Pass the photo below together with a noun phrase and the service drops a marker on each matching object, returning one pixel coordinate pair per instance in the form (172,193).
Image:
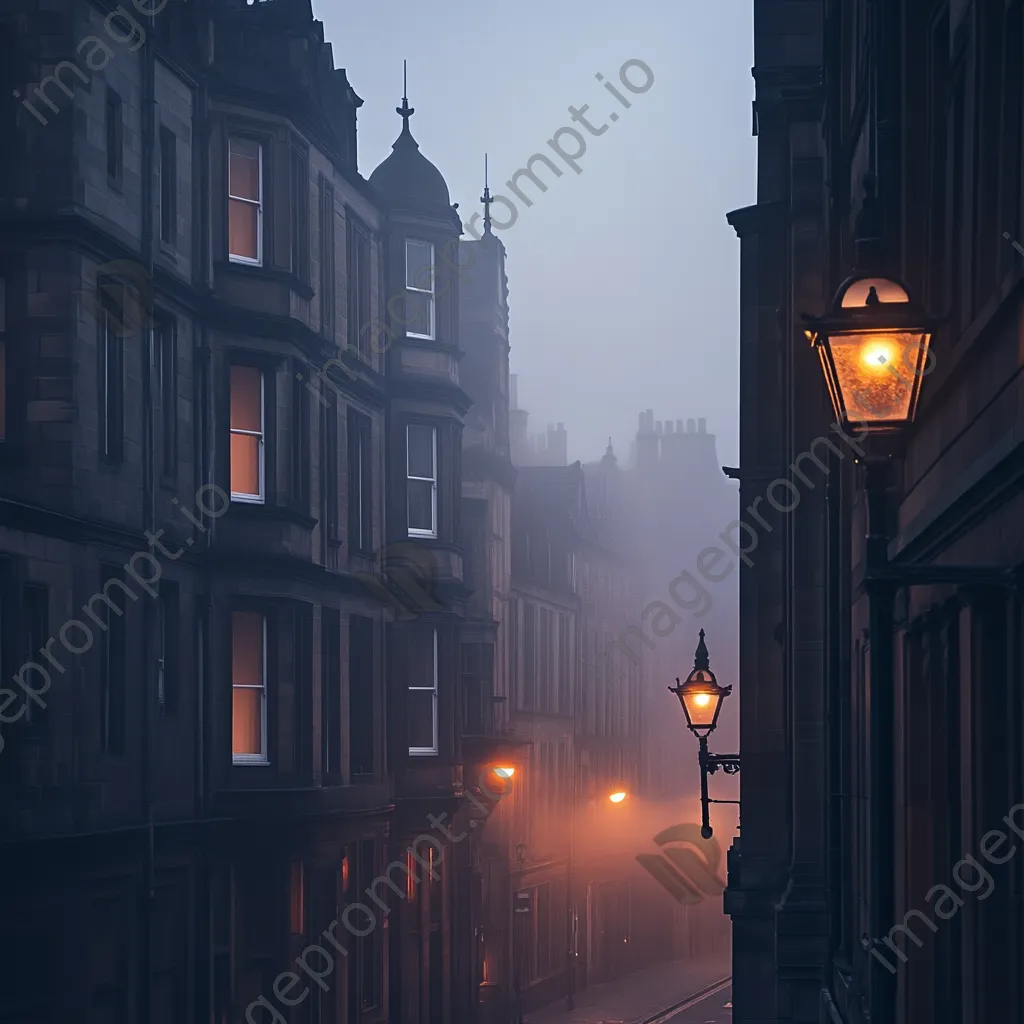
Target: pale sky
(623,279)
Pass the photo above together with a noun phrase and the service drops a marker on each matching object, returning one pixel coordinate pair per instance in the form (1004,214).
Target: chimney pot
(690,425)
(702,425)
(679,426)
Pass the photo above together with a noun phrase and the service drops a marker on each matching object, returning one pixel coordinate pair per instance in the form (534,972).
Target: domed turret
(407,178)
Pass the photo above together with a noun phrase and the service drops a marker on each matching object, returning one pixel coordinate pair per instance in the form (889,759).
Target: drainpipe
(148,112)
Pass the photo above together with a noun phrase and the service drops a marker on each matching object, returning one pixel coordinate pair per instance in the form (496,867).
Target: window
(247,457)
(422,660)
(419,289)
(360,490)
(248,688)
(360,315)
(168,186)
(35,601)
(113,668)
(167,678)
(115,137)
(331,701)
(297,898)
(245,201)
(300,443)
(361,688)
(111,350)
(300,214)
(330,469)
(3,359)
(421,470)
(167,368)
(327,281)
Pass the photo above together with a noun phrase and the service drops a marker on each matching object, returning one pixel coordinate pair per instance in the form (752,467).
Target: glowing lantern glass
(700,695)
(873,345)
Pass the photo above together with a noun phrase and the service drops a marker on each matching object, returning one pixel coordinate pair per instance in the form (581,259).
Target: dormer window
(419,289)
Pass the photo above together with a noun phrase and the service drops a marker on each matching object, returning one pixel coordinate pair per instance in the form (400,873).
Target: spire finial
(700,656)
(405,111)
(486,200)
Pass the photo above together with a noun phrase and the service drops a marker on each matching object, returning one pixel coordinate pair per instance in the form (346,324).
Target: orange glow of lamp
(873,345)
(700,695)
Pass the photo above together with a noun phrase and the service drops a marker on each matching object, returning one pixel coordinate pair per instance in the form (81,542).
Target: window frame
(113,129)
(111,403)
(360,481)
(168,186)
(166,331)
(242,497)
(431,292)
(258,203)
(432,533)
(433,750)
(263,758)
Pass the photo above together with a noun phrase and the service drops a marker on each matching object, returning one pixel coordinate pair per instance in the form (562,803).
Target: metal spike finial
(700,656)
(486,199)
(405,111)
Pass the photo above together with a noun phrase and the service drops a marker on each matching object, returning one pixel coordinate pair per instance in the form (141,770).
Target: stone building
(230,554)
(880,721)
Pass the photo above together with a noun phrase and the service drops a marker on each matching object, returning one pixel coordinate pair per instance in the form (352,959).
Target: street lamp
(874,347)
(701,700)
(617,796)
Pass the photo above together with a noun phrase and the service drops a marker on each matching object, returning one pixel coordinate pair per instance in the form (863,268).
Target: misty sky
(624,279)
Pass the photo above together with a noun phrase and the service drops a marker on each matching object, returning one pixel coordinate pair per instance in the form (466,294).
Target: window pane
(419,265)
(421,505)
(247,648)
(244,169)
(421,451)
(421,718)
(246,721)
(420,646)
(245,464)
(419,314)
(246,404)
(243,229)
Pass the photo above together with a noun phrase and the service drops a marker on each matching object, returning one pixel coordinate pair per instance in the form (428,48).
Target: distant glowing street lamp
(701,700)
(617,796)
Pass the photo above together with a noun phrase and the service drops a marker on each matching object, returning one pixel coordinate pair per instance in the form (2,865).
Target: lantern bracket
(709,764)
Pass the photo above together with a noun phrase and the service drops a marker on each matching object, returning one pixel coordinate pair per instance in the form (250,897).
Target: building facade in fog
(862,804)
(232,405)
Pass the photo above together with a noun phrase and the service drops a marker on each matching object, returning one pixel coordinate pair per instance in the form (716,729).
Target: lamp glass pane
(878,374)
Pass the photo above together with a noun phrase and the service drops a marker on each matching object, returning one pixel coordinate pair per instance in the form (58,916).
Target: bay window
(247,434)
(422,655)
(245,201)
(248,688)
(421,479)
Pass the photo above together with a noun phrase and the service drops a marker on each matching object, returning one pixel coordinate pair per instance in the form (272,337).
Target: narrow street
(683,992)
(713,1008)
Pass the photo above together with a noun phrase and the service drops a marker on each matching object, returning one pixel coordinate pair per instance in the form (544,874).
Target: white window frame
(431,751)
(422,291)
(251,499)
(258,203)
(413,531)
(263,757)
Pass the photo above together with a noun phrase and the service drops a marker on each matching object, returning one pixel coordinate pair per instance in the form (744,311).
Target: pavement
(662,993)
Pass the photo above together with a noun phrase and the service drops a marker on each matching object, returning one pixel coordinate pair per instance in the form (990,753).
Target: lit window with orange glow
(247,434)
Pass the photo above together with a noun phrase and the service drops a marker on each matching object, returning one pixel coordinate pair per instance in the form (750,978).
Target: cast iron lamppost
(874,347)
(701,699)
